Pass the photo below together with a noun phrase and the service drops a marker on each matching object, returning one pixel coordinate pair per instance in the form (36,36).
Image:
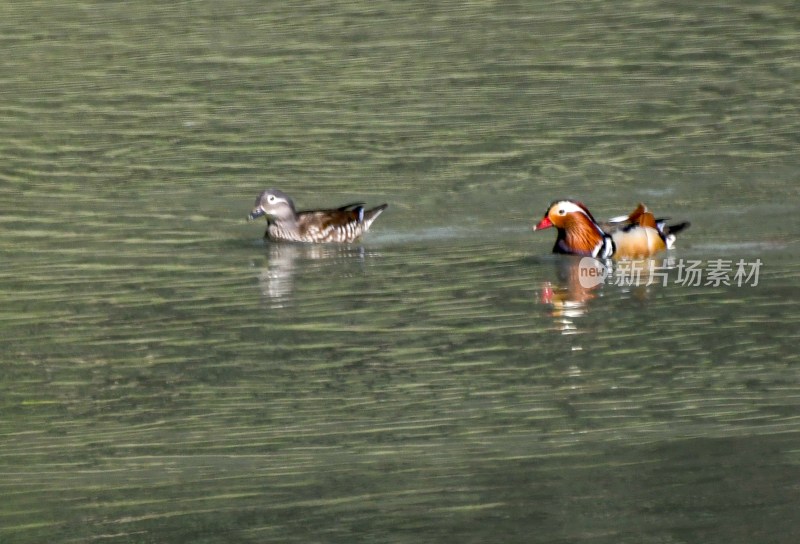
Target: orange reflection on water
(580,280)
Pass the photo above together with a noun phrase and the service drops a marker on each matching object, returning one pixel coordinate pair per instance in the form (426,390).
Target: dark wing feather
(352,205)
(323,218)
(341,217)
(675,228)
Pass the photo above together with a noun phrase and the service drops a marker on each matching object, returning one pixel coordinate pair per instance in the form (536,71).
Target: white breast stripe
(604,249)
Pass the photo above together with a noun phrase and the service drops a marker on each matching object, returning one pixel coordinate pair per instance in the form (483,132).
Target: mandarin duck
(634,236)
(286,224)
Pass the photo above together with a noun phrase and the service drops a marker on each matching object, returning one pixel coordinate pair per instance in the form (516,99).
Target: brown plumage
(636,235)
(286,224)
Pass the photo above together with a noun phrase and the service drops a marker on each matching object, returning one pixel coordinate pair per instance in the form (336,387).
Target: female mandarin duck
(286,224)
(634,236)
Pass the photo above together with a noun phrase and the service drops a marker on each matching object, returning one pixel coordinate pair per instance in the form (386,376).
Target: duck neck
(286,220)
(582,237)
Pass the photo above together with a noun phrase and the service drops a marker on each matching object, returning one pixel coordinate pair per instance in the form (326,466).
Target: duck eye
(561,211)
(271,199)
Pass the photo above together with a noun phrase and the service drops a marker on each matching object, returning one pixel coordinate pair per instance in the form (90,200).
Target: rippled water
(168,377)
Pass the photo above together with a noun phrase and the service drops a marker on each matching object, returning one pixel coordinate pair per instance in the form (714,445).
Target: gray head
(274,204)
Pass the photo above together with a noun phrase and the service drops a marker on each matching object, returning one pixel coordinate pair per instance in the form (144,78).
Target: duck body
(634,236)
(285,224)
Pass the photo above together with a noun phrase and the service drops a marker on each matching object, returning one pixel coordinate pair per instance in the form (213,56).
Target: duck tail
(673,229)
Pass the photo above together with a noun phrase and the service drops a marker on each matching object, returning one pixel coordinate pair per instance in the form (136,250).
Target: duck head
(578,232)
(274,204)
(566,214)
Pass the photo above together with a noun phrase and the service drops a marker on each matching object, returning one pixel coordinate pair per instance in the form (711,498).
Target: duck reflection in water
(568,295)
(580,280)
(286,262)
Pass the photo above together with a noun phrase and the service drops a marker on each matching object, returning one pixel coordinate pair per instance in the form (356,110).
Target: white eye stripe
(568,207)
(272,199)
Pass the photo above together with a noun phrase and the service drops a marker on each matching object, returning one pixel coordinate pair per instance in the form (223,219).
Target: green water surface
(167,377)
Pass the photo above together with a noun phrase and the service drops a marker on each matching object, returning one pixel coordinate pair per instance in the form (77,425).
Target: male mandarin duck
(633,236)
(286,224)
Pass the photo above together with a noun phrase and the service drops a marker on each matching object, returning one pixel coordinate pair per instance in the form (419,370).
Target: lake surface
(167,377)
